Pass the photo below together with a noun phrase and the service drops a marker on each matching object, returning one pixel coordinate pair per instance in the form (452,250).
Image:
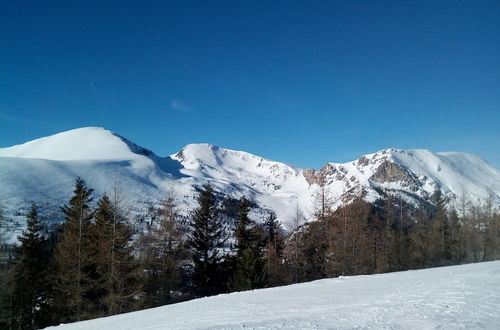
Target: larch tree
(115,276)
(164,255)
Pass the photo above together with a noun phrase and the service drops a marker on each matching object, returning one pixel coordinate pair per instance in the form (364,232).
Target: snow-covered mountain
(44,171)
(456,297)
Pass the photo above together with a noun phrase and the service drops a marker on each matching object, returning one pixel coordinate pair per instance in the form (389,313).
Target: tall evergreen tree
(249,269)
(274,252)
(31,289)
(206,238)
(72,262)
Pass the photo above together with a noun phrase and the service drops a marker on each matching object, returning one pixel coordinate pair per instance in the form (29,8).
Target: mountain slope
(44,170)
(464,297)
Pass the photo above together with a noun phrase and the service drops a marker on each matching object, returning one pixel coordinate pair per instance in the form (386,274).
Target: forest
(94,264)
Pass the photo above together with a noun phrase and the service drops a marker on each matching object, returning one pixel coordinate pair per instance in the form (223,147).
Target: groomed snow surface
(457,297)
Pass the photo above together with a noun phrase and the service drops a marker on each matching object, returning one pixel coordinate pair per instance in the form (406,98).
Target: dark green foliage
(314,251)
(31,291)
(245,237)
(94,272)
(7,316)
(205,240)
(72,260)
(273,255)
(249,270)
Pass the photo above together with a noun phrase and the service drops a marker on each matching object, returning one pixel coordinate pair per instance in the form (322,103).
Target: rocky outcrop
(388,171)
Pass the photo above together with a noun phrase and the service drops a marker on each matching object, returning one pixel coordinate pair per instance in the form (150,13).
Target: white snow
(82,143)
(457,297)
(45,169)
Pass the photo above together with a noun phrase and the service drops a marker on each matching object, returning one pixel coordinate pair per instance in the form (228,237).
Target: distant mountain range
(44,171)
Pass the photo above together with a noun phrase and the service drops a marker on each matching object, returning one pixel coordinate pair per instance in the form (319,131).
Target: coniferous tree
(456,240)
(489,232)
(420,242)
(314,251)
(114,277)
(249,265)
(293,251)
(205,240)
(274,252)
(440,234)
(5,279)
(163,255)
(31,290)
(72,262)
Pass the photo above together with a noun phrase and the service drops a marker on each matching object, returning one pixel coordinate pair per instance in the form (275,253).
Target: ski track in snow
(455,297)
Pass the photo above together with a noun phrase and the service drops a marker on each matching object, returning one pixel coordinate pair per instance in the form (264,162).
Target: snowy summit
(103,158)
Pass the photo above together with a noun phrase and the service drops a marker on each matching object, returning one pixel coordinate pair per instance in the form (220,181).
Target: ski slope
(457,297)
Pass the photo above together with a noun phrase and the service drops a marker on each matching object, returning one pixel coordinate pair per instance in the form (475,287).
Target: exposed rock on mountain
(44,170)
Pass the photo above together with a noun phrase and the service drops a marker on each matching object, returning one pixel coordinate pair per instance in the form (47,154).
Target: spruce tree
(31,289)
(205,240)
(244,236)
(274,252)
(72,263)
(249,269)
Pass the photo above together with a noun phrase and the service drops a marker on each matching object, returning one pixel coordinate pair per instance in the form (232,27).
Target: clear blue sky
(303,82)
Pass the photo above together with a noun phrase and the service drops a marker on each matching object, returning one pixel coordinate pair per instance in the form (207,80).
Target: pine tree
(206,238)
(249,269)
(72,263)
(31,290)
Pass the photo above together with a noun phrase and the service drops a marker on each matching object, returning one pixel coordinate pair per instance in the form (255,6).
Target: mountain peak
(78,144)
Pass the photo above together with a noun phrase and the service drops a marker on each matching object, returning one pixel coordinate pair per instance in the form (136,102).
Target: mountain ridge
(101,157)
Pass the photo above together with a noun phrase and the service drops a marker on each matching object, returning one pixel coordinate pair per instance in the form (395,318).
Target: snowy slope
(44,170)
(457,297)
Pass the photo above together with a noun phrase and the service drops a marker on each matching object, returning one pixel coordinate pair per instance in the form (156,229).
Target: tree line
(94,265)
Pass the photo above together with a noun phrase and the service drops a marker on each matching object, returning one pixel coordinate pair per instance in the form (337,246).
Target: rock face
(393,172)
(44,170)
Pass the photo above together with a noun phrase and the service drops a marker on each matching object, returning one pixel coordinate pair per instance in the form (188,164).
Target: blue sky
(303,82)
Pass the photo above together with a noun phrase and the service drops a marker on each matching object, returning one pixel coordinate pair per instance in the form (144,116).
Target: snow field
(456,297)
